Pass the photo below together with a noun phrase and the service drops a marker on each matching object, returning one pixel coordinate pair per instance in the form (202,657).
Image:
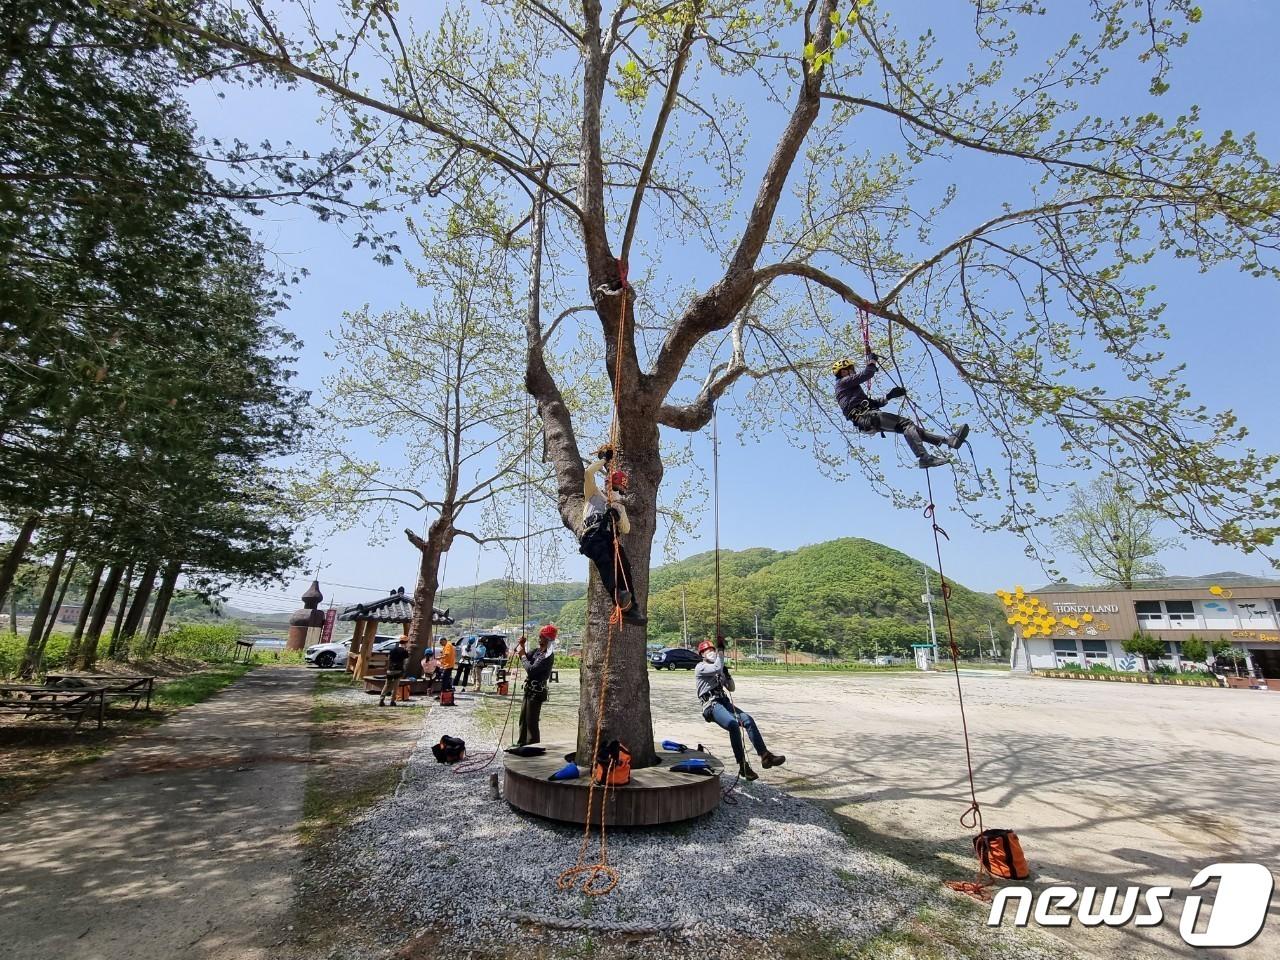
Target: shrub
(13,646)
(1101,668)
(199,641)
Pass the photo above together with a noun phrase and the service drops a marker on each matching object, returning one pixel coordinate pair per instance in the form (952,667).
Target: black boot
(958,436)
(768,760)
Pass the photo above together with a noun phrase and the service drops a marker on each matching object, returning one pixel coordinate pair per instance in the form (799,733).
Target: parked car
(335,654)
(327,655)
(674,657)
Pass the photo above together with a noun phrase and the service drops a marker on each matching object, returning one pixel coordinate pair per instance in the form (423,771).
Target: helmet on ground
(618,480)
(549,632)
(706,645)
(844,363)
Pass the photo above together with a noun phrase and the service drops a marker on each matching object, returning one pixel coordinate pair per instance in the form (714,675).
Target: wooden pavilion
(396,608)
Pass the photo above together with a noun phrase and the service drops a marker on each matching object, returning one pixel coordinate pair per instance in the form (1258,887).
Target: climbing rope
(512,665)
(971,819)
(597,879)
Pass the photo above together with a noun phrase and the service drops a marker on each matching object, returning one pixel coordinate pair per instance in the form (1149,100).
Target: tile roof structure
(395,608)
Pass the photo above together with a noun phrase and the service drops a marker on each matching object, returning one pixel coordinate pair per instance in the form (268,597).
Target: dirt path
(177,844)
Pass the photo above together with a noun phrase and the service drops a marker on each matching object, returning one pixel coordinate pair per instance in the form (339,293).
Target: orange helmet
(706,645)
(618,480)
(549,632)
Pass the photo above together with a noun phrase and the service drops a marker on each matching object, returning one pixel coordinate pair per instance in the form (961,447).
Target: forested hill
(849,596)
(500,600)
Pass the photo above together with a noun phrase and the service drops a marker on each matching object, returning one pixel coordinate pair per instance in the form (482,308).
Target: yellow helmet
(841,364)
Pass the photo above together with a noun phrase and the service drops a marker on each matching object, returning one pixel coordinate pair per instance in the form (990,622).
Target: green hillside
(850,597)
(495,600)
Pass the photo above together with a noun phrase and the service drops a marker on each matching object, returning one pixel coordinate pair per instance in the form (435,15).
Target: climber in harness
(865,413)
(537,671)
(714,686)
(604,517)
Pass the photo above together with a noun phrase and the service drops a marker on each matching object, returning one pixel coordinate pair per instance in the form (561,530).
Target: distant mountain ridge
(850,596)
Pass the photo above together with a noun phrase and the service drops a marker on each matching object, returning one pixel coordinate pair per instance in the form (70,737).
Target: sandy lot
(1105,783)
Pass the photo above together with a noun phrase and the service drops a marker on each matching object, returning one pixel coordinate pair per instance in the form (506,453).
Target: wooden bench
(30,699)
(118,687)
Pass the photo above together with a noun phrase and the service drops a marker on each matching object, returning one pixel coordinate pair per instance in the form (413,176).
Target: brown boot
(746,773)
(768,760)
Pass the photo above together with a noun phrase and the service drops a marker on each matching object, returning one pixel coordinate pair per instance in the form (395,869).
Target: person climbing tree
(714,685)
(537,671)
(865,413)
(604,519)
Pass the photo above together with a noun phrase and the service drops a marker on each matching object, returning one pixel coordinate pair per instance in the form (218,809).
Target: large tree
(1113,535)
(429,392)
(770,167)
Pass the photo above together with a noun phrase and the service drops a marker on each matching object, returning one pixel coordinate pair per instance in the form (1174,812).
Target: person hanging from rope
(865,413)
(537,672)
(714,686)
(604,519)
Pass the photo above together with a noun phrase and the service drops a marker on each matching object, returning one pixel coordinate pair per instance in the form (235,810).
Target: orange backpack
(613,766)
(1000,854)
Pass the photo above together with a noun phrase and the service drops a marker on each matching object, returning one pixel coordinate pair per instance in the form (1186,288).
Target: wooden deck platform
(655,795)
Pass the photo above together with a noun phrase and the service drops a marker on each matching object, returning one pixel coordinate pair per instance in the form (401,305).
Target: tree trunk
(91,591)
(168,580)
(31,656)
(53,617)
(626,715)
(117,632)
(98,620)
(138,608)
(439,539)
(9,569)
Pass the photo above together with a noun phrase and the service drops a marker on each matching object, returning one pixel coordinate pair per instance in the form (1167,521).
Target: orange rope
(583,876)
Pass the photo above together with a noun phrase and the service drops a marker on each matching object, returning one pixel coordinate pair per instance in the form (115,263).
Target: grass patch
(331,802)
(195,687)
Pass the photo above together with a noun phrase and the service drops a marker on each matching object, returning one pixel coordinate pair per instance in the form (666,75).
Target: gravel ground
(767,866)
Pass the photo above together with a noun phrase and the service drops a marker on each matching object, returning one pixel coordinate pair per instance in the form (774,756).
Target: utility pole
(758,650)
(991,634)
(684,619)
(927,600)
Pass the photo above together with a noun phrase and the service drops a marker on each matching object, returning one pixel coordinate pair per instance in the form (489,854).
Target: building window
(1148,611)
(1064,652)
(1180,611)
(1095,651)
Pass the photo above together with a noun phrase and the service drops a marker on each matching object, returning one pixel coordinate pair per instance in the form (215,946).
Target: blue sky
(771,494)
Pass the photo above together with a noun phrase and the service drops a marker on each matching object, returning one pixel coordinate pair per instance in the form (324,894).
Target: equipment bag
(446,698)
(450,750)
(1000,854)
(617,775)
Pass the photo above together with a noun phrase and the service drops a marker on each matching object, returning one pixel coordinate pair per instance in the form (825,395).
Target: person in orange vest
(448,659)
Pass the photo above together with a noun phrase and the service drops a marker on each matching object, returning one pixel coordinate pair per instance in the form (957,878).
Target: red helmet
(618,480)
(549,632)
(706,645)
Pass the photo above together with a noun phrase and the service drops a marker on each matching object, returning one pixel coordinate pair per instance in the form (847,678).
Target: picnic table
(118,686)
(30,699)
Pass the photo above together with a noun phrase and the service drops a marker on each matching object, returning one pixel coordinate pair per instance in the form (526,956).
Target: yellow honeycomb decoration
(1030,613)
